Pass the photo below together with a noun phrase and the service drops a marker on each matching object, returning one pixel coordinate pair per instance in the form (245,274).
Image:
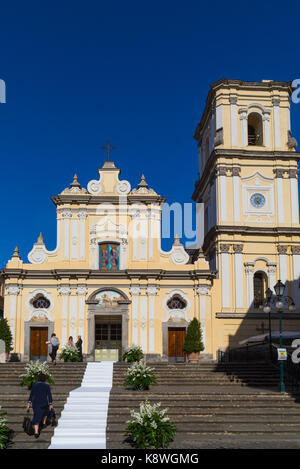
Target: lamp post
(279,291)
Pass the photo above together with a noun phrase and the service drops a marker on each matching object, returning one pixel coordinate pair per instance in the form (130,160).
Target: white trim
(219,117)
(222,199)
(236,198)
(283,267)
(143,323)
(276,126)
(294,201)
(280,206)
(233,124)
(239,280)
(225,279)
(296,277)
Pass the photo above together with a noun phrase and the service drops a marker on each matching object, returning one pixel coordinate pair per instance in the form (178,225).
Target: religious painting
(109,256)
(109,299)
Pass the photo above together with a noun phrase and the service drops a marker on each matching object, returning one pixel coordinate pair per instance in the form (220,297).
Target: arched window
(176,302)
(109,257)
(41,302)
(260,286)
(255,129)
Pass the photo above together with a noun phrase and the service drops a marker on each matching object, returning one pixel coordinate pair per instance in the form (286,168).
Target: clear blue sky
(134,72)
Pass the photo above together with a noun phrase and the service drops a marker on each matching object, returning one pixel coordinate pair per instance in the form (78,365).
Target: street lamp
(279,292)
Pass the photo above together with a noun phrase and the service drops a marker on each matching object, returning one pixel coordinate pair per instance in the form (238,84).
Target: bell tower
(248,189)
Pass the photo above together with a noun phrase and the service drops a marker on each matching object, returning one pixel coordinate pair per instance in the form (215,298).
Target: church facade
(109,281)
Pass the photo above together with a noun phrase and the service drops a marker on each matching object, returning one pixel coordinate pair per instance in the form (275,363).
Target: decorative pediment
(109,183)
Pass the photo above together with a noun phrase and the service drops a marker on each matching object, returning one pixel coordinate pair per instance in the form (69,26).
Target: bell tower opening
(255,129)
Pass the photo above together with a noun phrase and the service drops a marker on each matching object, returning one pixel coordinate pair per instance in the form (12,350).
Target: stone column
(293,174)
(233,120)
(135,292)
(272,274)
(244,129)
(225,275)
(124,307)
(82,215)
(279,183)
(81,291)
(13,292)
(152,292)
(236,192)
(266,121)
(66,216)
(282,251)
(296,274)
(239,275)
(276,114)
(65,292)
(249,269)
(222,173)
(202,292)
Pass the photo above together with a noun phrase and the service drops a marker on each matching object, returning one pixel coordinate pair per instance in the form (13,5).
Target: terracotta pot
(193,357)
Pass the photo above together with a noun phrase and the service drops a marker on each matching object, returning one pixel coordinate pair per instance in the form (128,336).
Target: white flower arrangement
(33,369)
(70,353)
(133,353)
(4,431)
(140,376)
(149,428)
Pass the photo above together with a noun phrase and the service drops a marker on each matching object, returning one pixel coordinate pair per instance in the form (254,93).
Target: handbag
(51,418)
(27,425)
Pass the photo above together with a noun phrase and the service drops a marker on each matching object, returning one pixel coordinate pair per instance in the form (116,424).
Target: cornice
(129,274)
(77,199)
(247,230)
(256,315)
(200,185)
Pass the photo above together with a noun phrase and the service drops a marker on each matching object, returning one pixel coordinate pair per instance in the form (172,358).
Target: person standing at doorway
(54,347)
(41,401)
(70,341)
(79,346)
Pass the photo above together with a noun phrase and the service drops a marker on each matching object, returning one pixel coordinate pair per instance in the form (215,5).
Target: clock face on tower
(257,200)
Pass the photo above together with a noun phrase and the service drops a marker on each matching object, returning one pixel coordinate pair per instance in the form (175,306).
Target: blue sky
(137,73)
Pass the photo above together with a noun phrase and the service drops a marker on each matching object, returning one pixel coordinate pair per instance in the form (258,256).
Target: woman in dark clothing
(41,400)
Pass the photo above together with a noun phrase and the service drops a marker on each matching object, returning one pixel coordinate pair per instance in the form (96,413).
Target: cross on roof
(108,147)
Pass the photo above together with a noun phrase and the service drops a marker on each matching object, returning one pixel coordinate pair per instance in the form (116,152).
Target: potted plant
(4,430)
(33,369)
(6,335)
(133,354)
(70,353)
(149,428)
(139,377)
(193,344)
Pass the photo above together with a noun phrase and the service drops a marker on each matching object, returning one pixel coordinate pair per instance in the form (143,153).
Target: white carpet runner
(82,424)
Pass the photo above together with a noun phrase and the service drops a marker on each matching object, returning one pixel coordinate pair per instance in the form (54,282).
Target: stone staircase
(13,399)
(213,406)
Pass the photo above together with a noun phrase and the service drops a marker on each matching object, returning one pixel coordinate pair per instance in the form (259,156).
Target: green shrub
(70,354)
(139,377)
(133,354)
(32,371)
(193,339)
(6,335)
(149,428)
(4,431)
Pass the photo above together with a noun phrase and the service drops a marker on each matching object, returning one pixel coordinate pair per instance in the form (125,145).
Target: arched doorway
(108,316)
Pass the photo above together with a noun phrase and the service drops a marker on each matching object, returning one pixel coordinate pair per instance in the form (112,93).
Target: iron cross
(108,147)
